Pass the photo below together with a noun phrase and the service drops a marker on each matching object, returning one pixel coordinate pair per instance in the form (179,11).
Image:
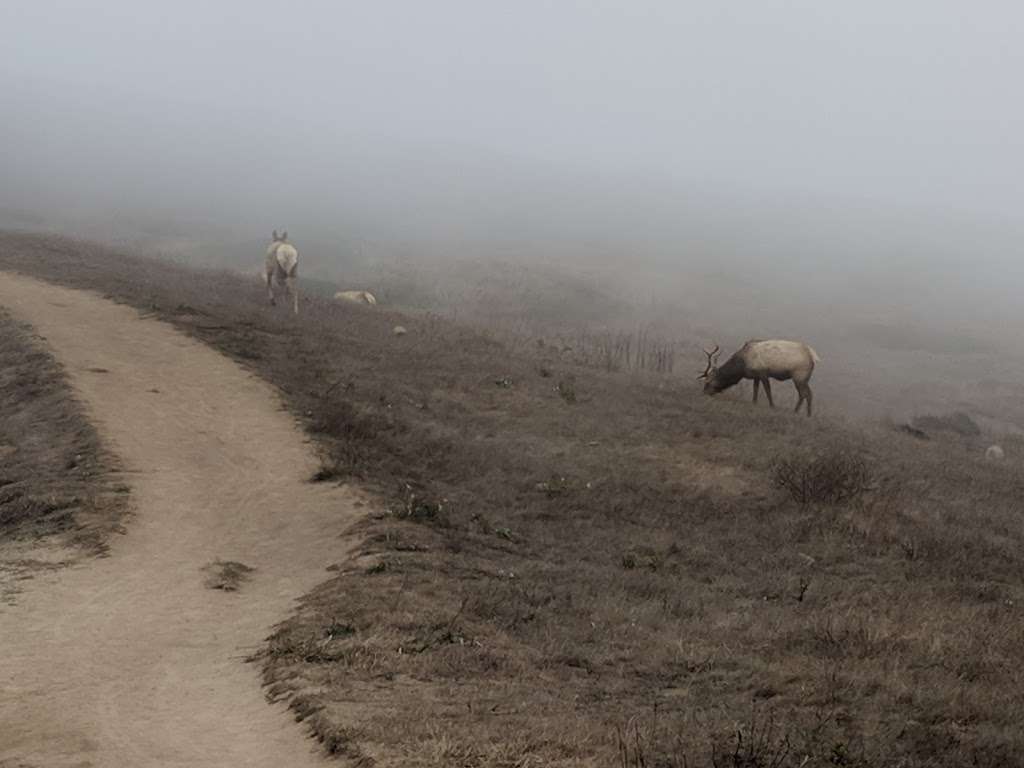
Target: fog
(786,164)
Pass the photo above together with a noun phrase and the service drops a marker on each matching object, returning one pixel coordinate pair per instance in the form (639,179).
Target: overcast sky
(442,110)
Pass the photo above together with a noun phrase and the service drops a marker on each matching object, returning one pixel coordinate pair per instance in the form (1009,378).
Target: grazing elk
(282,265)
(762,361)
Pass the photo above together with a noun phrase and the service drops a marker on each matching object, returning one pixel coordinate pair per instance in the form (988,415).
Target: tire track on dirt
(128,660)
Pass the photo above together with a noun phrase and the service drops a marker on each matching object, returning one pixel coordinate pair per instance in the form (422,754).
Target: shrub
(227,575)
(340,419)
(566,388)
(351,432)
(835,477)
(421,509)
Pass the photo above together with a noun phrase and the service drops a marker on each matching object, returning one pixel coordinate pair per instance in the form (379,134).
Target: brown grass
(831,476)
(226,575)
(55,477)
(610,578)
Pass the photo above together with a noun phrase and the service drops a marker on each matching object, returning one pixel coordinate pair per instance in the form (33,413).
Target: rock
(958,422)
(399,330)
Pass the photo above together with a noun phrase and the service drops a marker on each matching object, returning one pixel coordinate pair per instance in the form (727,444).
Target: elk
(995,453)
(762,361)
(282,265)
(359,297)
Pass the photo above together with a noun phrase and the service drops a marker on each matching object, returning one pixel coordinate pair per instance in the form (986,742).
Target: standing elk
(762,361)
(282,265)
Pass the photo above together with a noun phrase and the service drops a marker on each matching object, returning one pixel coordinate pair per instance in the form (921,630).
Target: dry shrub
(755,746)
(417,507)
(566,389)
(340,419)
(638,351)
(55,476)
(227,575)
(350,432)
(837,476)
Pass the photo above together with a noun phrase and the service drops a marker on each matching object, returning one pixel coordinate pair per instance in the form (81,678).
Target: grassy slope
(56,480)
(549,573)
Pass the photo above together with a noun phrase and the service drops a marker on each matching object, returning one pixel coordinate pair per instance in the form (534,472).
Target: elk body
(282,266)
(763,361)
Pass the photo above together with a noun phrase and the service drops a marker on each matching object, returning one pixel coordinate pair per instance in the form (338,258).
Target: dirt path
(130,660)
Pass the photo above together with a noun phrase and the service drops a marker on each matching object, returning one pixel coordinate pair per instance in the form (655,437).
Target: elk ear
(284,235)
(275,234)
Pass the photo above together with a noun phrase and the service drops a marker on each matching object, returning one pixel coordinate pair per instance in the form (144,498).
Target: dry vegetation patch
(546,581)
(830,476)
(226,575)
(56,481)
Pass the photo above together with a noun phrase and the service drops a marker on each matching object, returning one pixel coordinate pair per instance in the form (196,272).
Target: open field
(574,566)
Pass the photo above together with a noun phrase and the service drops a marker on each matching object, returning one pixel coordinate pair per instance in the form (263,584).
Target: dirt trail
(129,660)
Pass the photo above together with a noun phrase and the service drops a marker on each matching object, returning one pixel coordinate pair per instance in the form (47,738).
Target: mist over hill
(849,178)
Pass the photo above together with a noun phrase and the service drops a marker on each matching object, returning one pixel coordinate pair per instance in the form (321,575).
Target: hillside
(947,344)
(573,566)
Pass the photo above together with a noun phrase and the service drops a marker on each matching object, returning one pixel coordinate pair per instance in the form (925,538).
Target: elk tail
(814,355)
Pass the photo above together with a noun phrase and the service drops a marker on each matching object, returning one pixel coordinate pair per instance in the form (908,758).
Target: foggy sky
(595,123)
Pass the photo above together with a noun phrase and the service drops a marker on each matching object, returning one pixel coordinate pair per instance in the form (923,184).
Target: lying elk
(359,297)
(282,265)
(763,361)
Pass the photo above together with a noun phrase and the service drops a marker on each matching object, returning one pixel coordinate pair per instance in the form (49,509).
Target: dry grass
(641,351)
(610,578)
(832,476)
(55,478)
(226,575)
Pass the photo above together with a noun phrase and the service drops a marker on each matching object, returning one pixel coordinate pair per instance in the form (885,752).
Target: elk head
(709,372)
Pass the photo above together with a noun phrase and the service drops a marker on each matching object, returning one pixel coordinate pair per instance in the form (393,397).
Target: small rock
(399,330)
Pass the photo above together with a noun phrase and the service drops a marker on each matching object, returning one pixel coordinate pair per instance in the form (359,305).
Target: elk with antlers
(762,361)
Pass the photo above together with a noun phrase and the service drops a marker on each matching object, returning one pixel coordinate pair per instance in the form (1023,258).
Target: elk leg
(757,384)
(270,285)
(293,289)
(805,397)
(768,391)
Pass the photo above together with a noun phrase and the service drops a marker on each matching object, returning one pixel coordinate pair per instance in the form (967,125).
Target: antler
(712,359)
